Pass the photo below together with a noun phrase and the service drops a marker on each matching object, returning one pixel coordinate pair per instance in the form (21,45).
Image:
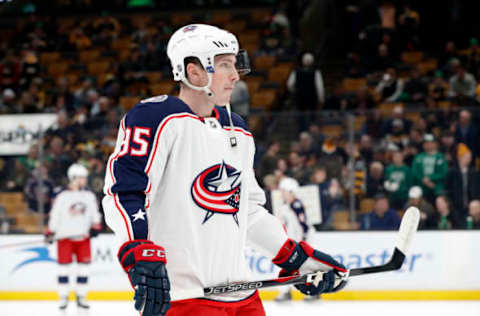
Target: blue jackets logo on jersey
(217,191)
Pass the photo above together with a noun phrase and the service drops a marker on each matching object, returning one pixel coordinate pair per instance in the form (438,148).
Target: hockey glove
(300,258)
(95,230)
(144,262)
(49,236)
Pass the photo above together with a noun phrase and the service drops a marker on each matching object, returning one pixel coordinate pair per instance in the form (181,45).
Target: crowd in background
(429,160)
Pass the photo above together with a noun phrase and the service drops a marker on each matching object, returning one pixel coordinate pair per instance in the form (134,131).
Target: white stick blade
(408,227)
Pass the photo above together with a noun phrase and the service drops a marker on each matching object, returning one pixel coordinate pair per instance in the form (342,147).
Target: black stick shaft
(395,263)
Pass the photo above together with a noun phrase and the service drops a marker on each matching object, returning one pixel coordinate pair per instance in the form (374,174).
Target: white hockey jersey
(175,179)
(73,213)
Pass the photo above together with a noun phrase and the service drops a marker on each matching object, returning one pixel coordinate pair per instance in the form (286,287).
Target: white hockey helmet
(76,170)
(288,184)
(203,42)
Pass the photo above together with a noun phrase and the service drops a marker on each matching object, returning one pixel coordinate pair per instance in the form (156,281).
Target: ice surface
(331,308)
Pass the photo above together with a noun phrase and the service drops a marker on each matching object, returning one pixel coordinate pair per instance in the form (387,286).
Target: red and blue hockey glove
(144,263)
(300,258)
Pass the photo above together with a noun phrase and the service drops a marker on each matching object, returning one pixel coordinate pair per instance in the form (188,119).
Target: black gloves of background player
(144,262)
(94,232)
(301,258)
(49,237)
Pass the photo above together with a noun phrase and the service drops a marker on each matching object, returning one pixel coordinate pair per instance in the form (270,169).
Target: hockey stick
(407,230)
(34,242)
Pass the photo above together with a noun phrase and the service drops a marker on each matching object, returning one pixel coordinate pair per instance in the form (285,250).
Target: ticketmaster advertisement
(437,261)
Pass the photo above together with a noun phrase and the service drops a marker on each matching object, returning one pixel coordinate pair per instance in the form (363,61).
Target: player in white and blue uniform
(180,190)
(293,217)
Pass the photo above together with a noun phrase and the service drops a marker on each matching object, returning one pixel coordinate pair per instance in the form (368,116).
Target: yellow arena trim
(270,295)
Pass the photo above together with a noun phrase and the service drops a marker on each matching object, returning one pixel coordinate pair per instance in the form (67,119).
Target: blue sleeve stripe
(124,216)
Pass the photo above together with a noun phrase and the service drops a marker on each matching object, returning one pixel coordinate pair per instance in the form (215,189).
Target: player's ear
(195,74)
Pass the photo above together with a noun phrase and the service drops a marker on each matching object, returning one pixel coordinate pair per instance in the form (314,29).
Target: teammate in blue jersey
(180,191)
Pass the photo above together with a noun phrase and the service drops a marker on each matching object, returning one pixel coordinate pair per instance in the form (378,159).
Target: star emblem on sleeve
(139,215)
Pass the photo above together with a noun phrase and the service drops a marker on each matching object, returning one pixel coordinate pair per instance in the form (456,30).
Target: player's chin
(223,99)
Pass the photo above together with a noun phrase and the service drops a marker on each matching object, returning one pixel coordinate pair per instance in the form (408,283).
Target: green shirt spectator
(398,179)
(430,169)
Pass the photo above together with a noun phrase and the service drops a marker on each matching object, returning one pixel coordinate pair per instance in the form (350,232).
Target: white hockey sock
(63,279)
(82,279)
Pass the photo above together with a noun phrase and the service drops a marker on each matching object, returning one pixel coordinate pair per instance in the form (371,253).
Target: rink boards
(440,265)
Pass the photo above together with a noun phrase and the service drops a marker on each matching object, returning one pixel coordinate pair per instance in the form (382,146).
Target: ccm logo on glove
(153,252)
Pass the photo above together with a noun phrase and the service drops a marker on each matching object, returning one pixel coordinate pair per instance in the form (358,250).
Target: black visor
(243,63)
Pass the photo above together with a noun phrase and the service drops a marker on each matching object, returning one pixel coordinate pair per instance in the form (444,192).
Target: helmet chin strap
(205,89)
(209,92)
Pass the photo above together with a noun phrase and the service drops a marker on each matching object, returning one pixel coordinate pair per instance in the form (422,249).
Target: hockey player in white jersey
(180,191)
(293,217)
(74,218)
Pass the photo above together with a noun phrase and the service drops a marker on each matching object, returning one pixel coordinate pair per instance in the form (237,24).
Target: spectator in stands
(449,54)
(466,132)
(39,188)
(390,87)
(374,124)
(398,136)
(473,58)
(16,180)
(365,149)
(30,68)
(240,99)
(430,169)
(8,103)
(282,169)
(306,83)
(382,217)
(443,217)
(10,70)
(375,179)
(330,195)
(398,114)
(308,148)
(297,168)
(383,60)
(448,147)
(462,185)
(332,158)
(362,101)
(462,86)
(415,198)
(268,162)
(62,97)
(4,221)
(415,88)
(474,211)
(57,159)
(438,88)
(270,184)
(398,180)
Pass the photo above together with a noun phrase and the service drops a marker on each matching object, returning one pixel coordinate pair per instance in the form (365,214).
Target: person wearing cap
(462,185)
(398,179)
(429,169)
(415,198)
(382,217)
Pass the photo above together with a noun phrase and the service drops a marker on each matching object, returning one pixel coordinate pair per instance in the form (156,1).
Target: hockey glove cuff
(300,258)
(144,262)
